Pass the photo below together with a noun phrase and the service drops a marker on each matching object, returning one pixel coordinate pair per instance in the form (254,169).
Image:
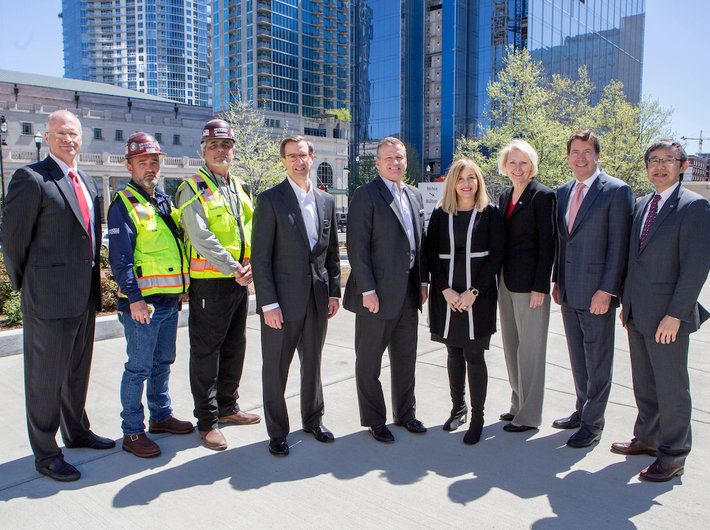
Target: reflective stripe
(163,281)
(201,265)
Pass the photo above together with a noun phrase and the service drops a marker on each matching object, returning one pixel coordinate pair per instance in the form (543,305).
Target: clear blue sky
(676,62)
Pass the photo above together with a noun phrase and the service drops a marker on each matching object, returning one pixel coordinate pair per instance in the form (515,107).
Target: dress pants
(399,336)
(590,340)
(524,333)
(277,349)
(662,392)
(218,316)
(57,356)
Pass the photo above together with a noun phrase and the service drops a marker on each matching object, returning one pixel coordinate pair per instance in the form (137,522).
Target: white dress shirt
(307,203)
(402,202)
(664,197)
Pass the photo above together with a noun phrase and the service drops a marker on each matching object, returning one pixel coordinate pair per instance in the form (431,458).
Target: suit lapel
(588,200)
(66,188)
(294,210)
(320,215)
(667,208)
(563,196)
(389,199)
(636,223)
(523,200)
(414,208)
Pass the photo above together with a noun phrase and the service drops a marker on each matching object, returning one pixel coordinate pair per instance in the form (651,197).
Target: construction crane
(699,139)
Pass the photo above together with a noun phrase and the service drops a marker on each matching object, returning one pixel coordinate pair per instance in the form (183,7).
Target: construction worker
(216,215)
(150,265)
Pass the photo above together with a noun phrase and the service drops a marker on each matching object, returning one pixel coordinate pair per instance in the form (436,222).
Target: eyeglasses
(65,135)
(662,161)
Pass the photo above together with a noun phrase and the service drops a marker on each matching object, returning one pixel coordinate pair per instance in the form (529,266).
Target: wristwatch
(473,290)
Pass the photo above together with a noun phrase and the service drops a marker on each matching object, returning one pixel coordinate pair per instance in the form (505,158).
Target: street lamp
(38,143)
(3,130)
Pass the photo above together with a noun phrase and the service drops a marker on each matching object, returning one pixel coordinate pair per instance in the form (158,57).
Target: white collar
(590,180)
(301,194)
(65,168)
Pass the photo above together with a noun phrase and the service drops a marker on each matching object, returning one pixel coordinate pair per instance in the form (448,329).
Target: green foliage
(525,104)
(340,114)
(256,152)
(12,310)
(366,171)
(109,292)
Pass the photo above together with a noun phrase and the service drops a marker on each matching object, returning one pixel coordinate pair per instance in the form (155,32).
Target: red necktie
(576,203)
(83,206)
(652,213)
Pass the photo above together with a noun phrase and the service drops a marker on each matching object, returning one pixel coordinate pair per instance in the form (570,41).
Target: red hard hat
(217,129)
(140,143)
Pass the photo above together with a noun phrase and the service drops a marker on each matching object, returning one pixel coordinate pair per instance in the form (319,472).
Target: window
(176,139)
(159,137)
(312,131)
(325,176)
(26,127)
(98,133)
(118,135)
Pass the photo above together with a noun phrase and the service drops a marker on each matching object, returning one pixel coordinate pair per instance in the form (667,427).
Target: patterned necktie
(652,212)
(576,203)
(83,206)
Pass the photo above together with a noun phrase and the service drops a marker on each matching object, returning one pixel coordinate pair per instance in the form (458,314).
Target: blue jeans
(151,351)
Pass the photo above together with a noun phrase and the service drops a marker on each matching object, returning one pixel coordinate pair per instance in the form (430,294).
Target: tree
(524,103)
(256,152)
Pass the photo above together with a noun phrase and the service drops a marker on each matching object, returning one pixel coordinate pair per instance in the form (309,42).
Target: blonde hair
(448,201)
(523,147)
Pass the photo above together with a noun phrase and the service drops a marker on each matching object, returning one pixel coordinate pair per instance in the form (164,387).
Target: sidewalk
(507,480)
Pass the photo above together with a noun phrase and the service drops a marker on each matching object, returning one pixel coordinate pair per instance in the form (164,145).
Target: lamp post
(38,143)
(3,130)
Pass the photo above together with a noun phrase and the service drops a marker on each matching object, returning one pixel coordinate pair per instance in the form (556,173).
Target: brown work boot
(171,425)
(213,439)
(140,445)
(240,418)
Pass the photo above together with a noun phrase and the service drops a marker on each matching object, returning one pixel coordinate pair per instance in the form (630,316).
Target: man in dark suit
(296,267)
(593,223)
(51,233)
(387,285)
(669,259)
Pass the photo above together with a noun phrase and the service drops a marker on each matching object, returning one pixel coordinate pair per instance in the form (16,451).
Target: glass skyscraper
(288,56)
(421,68)
(159,47)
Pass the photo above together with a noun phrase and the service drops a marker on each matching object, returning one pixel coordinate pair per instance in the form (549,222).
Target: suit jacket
(593,255)
(285,268)
(666,274)
(378,248)
(530,238)
(46,246)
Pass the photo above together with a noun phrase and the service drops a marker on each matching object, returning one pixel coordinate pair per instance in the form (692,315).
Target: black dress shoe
(583,438)
(382,434)
(507,416)
(321,434)
(456,418)
(91,441)
(518,428)
(572,421)
(661,472)
(59,470)
(413,425)
(278,447)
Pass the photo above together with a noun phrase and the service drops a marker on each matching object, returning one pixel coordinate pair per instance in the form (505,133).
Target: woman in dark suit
(529,211)
(464,248)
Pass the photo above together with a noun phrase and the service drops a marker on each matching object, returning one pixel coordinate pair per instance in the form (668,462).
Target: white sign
(431,193)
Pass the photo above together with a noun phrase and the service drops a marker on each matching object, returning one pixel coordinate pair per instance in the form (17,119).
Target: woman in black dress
(464,248)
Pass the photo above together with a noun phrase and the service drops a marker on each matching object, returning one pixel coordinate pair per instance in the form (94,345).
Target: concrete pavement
(507,480)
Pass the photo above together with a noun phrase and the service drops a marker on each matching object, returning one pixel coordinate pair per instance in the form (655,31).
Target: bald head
(63,135)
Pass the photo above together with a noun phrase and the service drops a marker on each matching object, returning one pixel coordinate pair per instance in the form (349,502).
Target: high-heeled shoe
(457,418)
(473,434)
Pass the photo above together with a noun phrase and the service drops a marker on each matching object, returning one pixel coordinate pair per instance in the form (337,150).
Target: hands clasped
(459,301)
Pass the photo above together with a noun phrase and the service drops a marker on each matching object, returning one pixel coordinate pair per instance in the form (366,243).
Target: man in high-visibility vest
(216,215)
(150,265)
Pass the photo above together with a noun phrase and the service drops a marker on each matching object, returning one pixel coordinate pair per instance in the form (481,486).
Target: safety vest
(232,229)
(159,259)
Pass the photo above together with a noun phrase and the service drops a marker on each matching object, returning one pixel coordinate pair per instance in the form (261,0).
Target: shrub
(12,310)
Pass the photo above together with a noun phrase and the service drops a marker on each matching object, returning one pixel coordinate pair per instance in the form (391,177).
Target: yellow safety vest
(232,229)
(159,259)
